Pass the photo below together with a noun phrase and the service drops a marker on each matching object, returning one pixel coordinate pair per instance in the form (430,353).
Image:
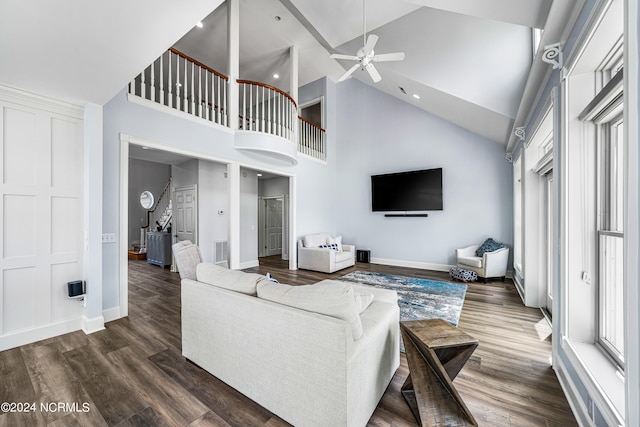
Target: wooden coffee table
(436,351)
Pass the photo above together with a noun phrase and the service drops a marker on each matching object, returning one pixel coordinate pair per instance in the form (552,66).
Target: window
(611,240)
(606,113)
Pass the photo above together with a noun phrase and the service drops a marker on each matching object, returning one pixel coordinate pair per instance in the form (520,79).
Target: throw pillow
(362,300)
(489,245)
(335,299)
(270,277)
(332,246)
(335,241)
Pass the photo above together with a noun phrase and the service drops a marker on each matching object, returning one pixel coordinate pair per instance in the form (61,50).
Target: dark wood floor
(133,374)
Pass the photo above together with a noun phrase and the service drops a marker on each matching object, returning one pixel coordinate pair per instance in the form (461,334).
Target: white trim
(40,333)
(135,99)
(598,13)
(124,226)
(92,325)
(579,409)
(40,102)
(412,264)
(248,264)
(111,314)
(632,220)
(597,380)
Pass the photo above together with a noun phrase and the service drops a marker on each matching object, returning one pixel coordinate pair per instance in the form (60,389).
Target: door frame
(262,237)
(125,141)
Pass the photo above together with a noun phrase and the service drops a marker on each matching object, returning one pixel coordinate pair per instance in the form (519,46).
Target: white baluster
(225,114)
(178,102)
(206,94)
(162,79)
(143,89)
(250,111)
(170,81)
(184,89)
(199,91)
(244,106)
(153,82)
(193,83)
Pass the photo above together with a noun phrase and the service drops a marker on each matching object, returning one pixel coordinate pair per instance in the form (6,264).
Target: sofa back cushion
(233,280)
(187,256)
(315,240)
(335,299)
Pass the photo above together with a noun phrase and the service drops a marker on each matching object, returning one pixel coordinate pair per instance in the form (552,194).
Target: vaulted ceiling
(470,61)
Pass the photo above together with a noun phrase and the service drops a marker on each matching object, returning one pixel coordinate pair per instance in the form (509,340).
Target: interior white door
(549,239)
(273,222)
(185,214)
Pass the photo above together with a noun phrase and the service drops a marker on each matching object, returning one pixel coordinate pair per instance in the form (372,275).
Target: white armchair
(313,257)
(489,265)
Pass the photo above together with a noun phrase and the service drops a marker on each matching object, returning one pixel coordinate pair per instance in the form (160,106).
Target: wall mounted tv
(419,190)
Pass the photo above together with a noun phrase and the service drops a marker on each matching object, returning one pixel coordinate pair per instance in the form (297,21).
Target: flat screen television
(419,190)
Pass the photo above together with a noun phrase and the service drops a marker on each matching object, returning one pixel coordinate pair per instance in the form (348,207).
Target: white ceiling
(469,60)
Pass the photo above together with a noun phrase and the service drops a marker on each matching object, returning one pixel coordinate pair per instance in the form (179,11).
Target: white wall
(380,134)
(273,186)
(248,218)
(213,197)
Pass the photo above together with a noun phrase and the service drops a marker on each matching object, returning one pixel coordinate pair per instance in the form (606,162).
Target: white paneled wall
(41,217)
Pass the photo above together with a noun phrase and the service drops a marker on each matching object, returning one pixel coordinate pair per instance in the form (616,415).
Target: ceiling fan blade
(375,76)
(397,56)
(349,72)
(371,43)
(341,56)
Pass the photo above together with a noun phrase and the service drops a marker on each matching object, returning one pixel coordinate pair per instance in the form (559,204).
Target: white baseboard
(92,325)
(249,264)
(412,264)
(580,411)
(111,314)
(40,333)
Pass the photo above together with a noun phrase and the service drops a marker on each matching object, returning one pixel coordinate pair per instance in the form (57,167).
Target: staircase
(159,218)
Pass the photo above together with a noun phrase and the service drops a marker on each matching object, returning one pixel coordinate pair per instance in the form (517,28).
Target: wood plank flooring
(133,373)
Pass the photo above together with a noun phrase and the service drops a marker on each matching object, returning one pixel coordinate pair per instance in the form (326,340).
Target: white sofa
(313,257)
(490,265)
(303,366)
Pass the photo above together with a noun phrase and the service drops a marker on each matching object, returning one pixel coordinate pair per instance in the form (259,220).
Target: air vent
(221,252)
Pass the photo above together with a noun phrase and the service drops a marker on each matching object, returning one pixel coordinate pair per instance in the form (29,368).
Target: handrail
(150,212)
(198,63)
(311,123)
(280,91)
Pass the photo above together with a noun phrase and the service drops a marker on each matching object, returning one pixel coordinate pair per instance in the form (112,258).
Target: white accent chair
(312,257)
(489,265)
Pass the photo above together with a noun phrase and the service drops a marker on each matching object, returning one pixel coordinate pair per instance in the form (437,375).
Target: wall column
(93,319)
(233,174)
(233,49)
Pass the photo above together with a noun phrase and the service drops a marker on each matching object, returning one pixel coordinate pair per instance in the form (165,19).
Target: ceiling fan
(366,56)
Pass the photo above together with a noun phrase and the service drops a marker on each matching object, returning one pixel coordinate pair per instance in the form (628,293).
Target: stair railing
(160,215)
(185,84)
(311,139)
(267,109)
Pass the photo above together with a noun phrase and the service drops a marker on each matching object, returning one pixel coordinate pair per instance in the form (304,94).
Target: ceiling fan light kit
(366,56)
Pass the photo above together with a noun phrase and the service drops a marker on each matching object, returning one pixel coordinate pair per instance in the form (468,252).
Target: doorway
(271,223)
(185,206)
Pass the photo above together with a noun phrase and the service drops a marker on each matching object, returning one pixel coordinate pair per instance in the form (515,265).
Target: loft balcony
(268,122)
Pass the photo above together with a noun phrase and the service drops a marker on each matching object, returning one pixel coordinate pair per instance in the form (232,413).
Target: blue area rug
(417,298)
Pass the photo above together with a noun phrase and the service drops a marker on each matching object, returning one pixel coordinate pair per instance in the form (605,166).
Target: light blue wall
(377,133)
(315,180)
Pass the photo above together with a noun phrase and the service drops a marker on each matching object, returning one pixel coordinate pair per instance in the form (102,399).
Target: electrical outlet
(109,238)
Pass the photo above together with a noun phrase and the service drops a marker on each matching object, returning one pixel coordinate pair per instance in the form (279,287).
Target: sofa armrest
(469,251)
(495,262)
(379,294)
(349,248)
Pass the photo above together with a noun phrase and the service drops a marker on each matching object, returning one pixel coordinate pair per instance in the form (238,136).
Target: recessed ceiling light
(199,24)
(145,148)
(259,174)
(276,76)
(416,96)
